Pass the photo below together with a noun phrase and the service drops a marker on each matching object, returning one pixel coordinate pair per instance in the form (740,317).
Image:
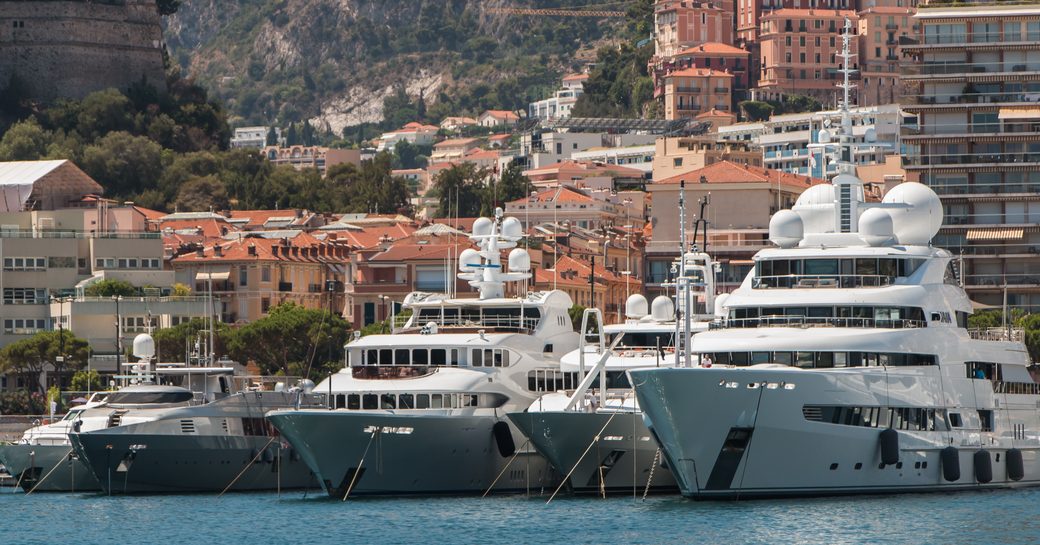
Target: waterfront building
(977,143)
(675,155)
(799,53)
(692,91)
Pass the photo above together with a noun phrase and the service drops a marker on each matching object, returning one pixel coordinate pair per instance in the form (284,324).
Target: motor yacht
(422,410)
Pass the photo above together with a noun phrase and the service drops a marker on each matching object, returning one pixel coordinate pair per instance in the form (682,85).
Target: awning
(215,275)
(1016,113)
(984,235)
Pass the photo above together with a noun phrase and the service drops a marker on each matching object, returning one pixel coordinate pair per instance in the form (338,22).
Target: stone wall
(68,48)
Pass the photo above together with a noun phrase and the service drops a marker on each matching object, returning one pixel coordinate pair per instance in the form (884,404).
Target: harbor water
(1006,517)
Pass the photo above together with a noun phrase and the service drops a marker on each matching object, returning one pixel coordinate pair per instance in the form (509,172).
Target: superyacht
(214,441)
(423,410)
(845,365)
(597,439)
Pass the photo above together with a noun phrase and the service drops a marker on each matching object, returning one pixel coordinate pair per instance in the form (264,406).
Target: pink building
(679,24)
(693,91)
(799,52)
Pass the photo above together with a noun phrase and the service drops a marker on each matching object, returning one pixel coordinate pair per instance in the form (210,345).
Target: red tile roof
(726,172)
(455,142)
(714,48)
(370,237)
(813,13)
(415,251)
(502,114)
(699,73)
(560,194)
(462,224)
(569,170)
(257,218)
(209,228)
(301,248)
(575,77)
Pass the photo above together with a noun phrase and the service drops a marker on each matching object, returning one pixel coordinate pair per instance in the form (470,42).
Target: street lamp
(386,316)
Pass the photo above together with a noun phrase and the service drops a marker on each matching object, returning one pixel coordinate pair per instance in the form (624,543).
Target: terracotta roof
(482,154)
(148,213)
(575,77)
(713,48)
(501,114)
(500,136)
(570,170)
(699,73)
(210,228)
(370,237)
(455,142)
(464,224)
(567,264)
(257,218)
(726,172)
(415,126)
(814,13)
(713,113)
(301,248)
(560,194)
(415,251)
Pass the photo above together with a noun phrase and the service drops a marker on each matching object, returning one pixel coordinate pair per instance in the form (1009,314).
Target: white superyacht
(845,365)
(422,410)
(597,439)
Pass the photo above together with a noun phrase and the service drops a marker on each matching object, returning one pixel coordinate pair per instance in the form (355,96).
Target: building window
(25,296)
(677,162)
(265,273)
(243,276)
(265,305)
(25,263)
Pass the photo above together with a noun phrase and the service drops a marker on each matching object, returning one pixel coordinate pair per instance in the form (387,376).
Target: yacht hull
(137,463)
(613,463)
(402,455)
(726,440)
(47,468)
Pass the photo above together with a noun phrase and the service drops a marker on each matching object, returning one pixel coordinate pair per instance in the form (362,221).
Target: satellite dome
(875,227)
(519,260)
(307,385)
(786,228)
(824,137)
(919,221)
(636,306)
(815,195)
(144,346)
(870,135)
(482,227)
(662,309)
(468,260)
(512,228)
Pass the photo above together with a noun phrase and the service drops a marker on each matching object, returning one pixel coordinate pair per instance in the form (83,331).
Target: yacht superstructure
(422,410)
(844,364)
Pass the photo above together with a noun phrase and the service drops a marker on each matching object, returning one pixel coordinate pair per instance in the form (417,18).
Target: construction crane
(558,12)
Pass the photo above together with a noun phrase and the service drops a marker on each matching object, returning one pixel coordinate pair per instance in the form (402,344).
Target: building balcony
(974,160)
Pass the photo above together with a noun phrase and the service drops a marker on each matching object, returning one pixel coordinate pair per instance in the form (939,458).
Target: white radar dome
(482,227)
(662,309)
(815,195)
(636,306)
(519,260)
(786,229)
(468,260)
(512,228)
(144,346)
(870,135)
(875,227)
(916,223)
(824,137)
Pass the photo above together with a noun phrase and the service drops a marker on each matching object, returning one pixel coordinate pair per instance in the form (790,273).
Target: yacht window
(369,401)
(986,420)
(401,356)
(840,359)
(814,267)
(386,356)
(451,401)
(388,401)
(422,401)
(436,401)
(722,358)
(955,420)
(354,402)
(406,401)
(888,267)
(469,400)
(139,398)
(455,356)
(478,359)
(437,357)
(420,356)
(760,357)
(371,357)
(740,358)
(501,358)
(547,349)
(783,357)
(341,402)
(805,360)
(866,267)
(489,358)
(825,359)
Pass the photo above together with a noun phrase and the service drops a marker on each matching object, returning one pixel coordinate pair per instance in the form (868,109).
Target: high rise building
(978,141)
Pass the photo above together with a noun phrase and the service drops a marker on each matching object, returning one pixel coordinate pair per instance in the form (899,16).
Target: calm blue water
(1008,517)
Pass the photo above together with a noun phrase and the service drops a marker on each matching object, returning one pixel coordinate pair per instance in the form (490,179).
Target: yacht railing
(498,322)
(391,372)
(818,321)
(791,281)
(997,334)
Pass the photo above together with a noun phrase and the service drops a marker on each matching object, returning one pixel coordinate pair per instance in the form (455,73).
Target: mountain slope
(334,61)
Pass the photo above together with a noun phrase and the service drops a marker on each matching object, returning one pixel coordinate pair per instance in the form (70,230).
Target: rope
(587,449)
(22,474)
(653,466)
(39,482)
(248,465)
(360,462)
(503,472)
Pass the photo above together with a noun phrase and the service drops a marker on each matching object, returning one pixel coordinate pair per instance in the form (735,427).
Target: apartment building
(562,102)
(316,157)
(679,24)
(565,204)
(692,91)
(677,155)
(881,31)
(253,137)
(453,149)
(978,141)
(798,52)
(413,133)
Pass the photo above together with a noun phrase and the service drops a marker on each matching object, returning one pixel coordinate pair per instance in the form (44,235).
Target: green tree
(86,381)
(292,340)
(462,190)
(173,343)
(755,110)
(102,112)
(29,357)
(398,109)
(291,138)
(202,194)
(110,287)
(272,136)
(124,164)
(408,155)
(25,141)
(368,188)
(511,186)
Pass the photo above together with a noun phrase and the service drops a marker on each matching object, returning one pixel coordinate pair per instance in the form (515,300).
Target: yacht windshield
(498,317)
(141,398)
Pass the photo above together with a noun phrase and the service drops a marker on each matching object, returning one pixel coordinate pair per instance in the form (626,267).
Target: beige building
(742,201)
(881,28)
(565,204)
(677,155)
(798,49)
(317,157)
(692,91)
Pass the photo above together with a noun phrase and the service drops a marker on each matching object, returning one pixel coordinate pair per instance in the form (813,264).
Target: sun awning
(1018,113)
(983,235)
(216,275)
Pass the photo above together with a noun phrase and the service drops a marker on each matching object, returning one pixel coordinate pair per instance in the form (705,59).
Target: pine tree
(290,135)
(272,136)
